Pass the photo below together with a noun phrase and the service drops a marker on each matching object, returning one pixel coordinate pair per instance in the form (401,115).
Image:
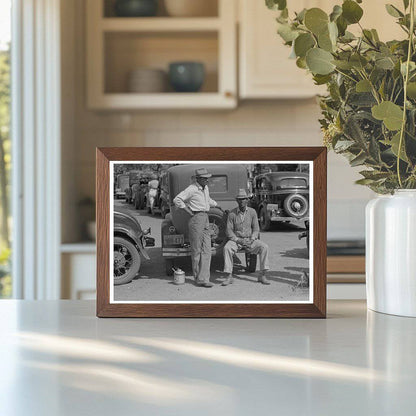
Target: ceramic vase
(391,253)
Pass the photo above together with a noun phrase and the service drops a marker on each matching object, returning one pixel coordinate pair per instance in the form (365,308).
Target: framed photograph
(211,232)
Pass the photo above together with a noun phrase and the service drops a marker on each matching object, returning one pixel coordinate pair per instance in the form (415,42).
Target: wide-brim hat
(202,173)
(242,194)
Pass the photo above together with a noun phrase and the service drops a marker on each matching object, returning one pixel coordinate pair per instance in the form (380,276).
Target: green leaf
(406,4)
(363,86)
(321,79)
(303,43)
(385,63)
(343,65)
(359,160)
(286,32)
(393,11)
(394,144)
(390,113)
(325,43)
(316,20)
(276,4)
(375,35)
(351,11)
(411,90)
(319,61)
(342,25)
(301,63)
(336,12)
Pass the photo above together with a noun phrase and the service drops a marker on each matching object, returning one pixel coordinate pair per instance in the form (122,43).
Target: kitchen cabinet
(265,70)
(118,45)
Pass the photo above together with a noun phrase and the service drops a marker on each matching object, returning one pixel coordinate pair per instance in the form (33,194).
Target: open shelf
(116,46)
(160,24)
(127,51)
(211,10)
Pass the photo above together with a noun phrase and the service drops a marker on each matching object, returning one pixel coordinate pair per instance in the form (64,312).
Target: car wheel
(217,231)
(126,261)
(251,262)
(264,220)
(296,205)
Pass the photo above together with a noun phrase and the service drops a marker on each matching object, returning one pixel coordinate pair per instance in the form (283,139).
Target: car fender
(134,238)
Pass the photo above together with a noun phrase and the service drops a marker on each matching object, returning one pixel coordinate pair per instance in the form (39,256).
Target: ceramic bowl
(186,76)
(135,8)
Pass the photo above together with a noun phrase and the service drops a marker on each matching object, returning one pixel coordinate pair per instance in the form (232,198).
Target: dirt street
(288,260)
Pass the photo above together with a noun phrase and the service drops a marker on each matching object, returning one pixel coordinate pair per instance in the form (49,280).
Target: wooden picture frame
(316,305)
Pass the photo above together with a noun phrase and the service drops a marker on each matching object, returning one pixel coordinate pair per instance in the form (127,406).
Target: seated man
(243,232)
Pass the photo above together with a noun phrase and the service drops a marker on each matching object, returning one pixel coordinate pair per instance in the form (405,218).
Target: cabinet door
(265,68)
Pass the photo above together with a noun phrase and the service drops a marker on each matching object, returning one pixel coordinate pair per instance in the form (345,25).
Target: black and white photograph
(190,232)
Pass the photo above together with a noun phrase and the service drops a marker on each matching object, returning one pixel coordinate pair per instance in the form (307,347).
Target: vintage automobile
(122,184)
(224,184)
(130,241)
(281,197)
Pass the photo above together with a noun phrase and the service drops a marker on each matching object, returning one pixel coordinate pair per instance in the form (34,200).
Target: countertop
(57,358)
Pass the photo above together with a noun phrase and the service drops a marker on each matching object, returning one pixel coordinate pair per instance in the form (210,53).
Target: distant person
(243,233)
(195,200)
(153,187)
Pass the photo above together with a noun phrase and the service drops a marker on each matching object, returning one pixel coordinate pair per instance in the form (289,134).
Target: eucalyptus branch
(406,80)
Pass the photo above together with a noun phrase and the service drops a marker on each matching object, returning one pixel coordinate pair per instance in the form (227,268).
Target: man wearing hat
(195,200)
(243,233)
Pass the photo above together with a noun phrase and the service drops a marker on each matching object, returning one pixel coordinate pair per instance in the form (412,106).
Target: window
(5,159)
(218,184)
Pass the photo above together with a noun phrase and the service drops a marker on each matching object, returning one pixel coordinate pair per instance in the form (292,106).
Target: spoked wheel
(216,229)
(264,220)
(251,262)
(126,261)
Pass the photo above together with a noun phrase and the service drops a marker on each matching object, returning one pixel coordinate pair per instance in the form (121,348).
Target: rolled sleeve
(212,203)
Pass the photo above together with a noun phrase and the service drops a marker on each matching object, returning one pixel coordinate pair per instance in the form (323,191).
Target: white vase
(391,253)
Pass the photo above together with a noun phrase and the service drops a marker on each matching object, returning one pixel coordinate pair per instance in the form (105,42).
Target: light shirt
(153,184)
(242,224)
(195,198)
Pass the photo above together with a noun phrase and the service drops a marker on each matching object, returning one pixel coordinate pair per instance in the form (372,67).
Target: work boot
(205,284)
(263,280)
(228,280)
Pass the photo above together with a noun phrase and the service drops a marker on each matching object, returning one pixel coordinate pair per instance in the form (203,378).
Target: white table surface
(57,358)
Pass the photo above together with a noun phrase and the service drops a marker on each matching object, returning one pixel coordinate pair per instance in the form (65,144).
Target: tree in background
(5,165)
(4,144)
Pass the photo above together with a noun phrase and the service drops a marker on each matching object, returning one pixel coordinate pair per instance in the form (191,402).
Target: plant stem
(406,80)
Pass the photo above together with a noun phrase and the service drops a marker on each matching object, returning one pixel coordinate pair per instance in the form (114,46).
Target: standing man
(195,200)
(243,233)
(153,186)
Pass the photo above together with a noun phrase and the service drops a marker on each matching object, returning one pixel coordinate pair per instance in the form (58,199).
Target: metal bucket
(178,277)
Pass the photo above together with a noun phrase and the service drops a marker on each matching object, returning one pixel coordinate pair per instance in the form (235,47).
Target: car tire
(125,253)
(217,229)
(264,220)
(290,210)
(251,262)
